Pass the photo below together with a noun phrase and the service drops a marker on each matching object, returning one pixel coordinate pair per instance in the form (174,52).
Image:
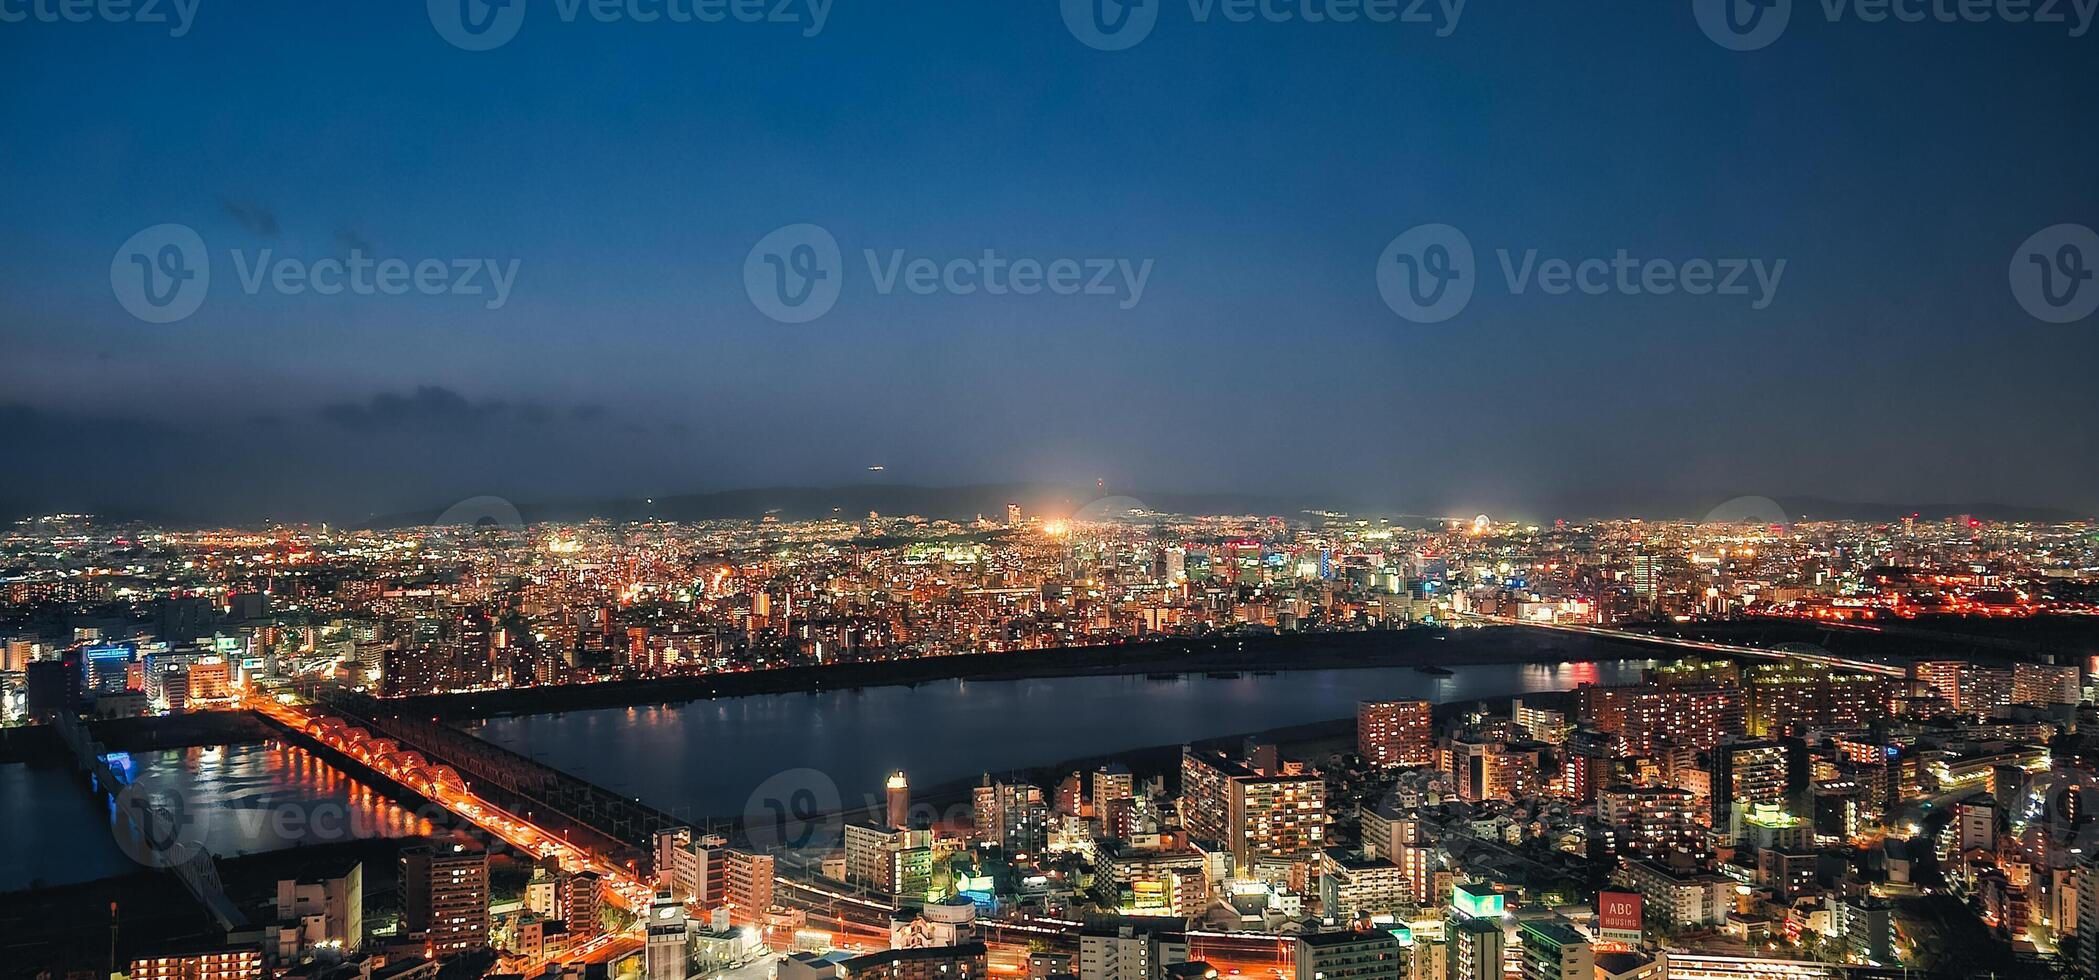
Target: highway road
(619,886)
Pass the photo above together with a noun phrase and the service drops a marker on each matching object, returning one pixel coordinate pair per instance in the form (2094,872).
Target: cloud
(352,241)
(258,218)
(433,444)
(429,407)
(24,425)
(438,407)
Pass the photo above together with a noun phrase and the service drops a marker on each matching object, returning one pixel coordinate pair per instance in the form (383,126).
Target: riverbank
(41,744)
(1424,647)
(1314,742)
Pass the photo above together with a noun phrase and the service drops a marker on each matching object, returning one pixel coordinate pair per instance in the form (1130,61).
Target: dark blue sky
(630,168)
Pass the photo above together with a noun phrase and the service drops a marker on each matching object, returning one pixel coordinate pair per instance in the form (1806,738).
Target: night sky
(1261,168)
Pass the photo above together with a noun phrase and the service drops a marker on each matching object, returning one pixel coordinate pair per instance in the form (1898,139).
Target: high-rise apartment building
(1353,888)
(2046,684)
(1395,733)
(1015,816)
(1647,576)
(897,862)
(582,900)
(1473,933)
(747,881)
(216,963)
(324,909)
(1473,949)
(705,870)
(962,961)
(1131,949)
(1374,955)
(667,957)
(1788,698)
(1650,820)
(1476,765)
(1700,715)
(1554,950)
(444,897)
(1747,774)
(1110,783)
(1253,813)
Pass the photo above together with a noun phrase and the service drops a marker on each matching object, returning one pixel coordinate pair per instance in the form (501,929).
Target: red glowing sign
(1618,912)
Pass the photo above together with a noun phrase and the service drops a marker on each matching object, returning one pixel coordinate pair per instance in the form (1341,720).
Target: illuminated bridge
(1788,652)
(369,751)
(618,826)
(150,831)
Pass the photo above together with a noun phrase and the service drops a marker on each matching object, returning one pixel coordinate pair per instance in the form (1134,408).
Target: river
(243,799)
(706,758)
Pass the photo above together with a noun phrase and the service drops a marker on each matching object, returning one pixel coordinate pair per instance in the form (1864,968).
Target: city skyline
(1049,490)
(963,502)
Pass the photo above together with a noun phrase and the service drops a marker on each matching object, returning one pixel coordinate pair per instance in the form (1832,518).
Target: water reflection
(245,799)
(705,758)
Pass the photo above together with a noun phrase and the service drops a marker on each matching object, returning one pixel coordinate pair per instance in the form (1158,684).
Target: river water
(242,799)
(706,758)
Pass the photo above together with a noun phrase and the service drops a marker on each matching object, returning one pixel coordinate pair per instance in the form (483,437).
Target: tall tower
(899,802)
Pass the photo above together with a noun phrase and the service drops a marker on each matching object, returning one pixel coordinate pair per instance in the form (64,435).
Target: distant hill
(966,503)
